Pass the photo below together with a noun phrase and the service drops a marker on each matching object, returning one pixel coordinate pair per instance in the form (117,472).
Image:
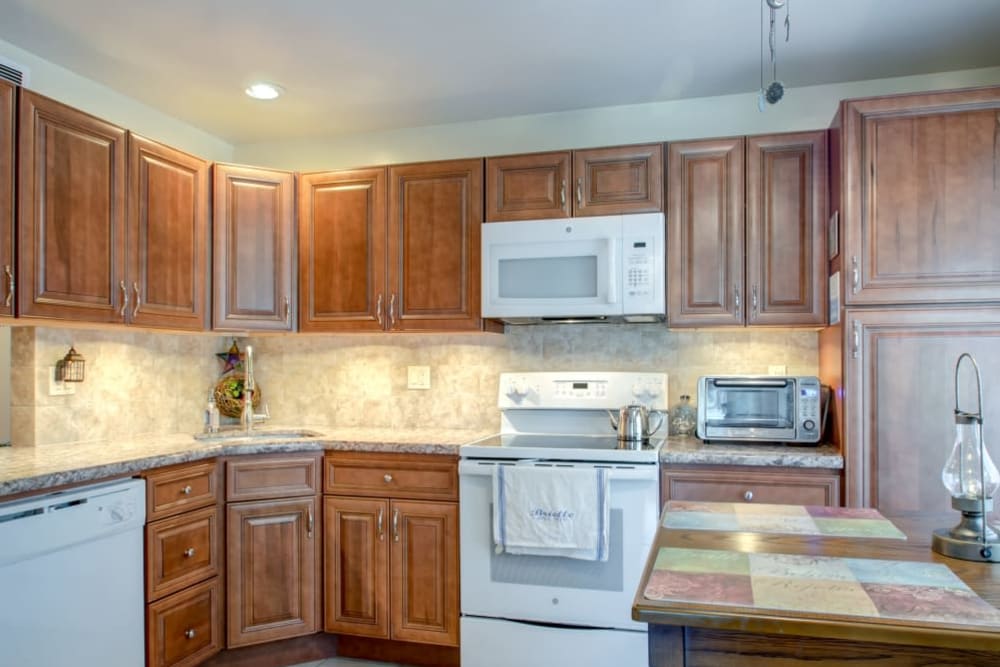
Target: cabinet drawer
(175,490)
(777,486)
(185,628)
(181,551)
(257,478)
(392,475)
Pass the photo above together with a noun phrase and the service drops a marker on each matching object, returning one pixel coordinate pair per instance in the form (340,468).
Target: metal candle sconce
(972,479)
(71,367)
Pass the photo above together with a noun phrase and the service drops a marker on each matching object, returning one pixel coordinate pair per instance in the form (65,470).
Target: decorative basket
(229,395)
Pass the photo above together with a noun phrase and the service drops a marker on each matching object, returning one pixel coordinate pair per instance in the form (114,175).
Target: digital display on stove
(579,385)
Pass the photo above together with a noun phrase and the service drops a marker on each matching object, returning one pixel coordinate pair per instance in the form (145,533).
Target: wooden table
(712,635)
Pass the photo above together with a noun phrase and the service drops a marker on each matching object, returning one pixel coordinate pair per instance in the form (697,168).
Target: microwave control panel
(642,267)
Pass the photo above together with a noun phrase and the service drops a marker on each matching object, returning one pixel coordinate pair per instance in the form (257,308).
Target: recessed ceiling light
(263,91)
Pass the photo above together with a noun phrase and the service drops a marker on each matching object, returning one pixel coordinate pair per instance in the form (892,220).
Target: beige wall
(94,98)
(151,383)
(806,108)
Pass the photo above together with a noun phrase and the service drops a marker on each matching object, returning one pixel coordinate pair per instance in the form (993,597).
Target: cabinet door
(435,220)
(342,229)
(253,249)
(424,578)
(922,198)
(528,187)
(272,557)
(786,217)
(625,179)
(167,236)
(7,198)
(705,233)
(356,565)
(900,399)
(71,203)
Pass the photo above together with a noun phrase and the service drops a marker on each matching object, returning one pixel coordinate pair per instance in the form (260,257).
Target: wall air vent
(13,72)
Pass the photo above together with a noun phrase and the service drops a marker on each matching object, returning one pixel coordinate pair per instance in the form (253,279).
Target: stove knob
(517,389)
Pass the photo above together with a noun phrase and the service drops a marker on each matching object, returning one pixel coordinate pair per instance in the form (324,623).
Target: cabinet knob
(387,477)
(190,633)
(187,490)
(748,495)
(189,552)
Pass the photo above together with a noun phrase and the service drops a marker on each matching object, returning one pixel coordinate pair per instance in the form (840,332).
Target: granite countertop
(24,469)
(691,450)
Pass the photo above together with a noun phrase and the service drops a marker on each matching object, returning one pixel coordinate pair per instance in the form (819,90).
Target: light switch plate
(58,387)
(418,377)
(777,369)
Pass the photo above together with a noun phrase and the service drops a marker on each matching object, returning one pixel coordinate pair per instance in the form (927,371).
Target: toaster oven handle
(612,271)
(750,383)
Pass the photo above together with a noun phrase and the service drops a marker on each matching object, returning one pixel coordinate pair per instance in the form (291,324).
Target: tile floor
(346,662)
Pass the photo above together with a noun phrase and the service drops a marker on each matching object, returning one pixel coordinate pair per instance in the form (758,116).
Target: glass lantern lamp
(972,480)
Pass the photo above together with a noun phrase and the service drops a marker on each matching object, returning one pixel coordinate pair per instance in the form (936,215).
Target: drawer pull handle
(189,552)
(388,478)
(190,633)
(748,495)
(187,490)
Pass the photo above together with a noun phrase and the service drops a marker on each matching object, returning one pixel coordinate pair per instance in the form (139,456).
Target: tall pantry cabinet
(915,182)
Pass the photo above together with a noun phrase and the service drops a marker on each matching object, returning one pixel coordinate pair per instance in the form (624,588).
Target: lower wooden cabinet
(734,484)
(185,629)
(272,549)
(391,562)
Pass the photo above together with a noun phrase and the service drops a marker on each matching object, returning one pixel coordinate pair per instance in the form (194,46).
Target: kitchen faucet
(247,416)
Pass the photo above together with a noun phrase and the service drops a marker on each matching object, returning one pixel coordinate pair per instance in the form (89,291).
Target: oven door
(746,408)
(550,589)
(552,268)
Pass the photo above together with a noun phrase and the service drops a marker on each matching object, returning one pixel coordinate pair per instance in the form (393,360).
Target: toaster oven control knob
(809,425)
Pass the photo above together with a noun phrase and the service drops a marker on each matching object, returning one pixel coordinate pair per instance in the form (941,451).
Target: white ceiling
(351,66)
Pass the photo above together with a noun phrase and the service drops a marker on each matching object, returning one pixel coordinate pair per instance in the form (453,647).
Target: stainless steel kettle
(632,422)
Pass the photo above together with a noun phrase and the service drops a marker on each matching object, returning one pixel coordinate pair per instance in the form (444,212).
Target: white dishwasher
(71,577)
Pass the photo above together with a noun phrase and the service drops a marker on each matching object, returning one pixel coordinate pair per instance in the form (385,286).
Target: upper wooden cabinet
(921,198)
(745,226)
(254,249)
(7,197)
(626,179)
(167,236)
(71,203)
(342,250)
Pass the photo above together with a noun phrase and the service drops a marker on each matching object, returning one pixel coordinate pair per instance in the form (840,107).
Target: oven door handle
(749,383)
(616,471)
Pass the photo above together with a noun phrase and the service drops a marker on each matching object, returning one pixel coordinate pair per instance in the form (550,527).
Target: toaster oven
(761,408)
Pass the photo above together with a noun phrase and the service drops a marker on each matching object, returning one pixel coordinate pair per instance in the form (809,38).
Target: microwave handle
(750,383)
(612,271)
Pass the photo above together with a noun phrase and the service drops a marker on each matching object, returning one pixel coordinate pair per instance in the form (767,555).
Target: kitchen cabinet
(743,484)
(254,287)
(899,398)
(342,250)
(167,237)
(7,133)
(71,213)
(272,547)
(183,565)
(921,198)
(599,181)
(391,546)
(745,226)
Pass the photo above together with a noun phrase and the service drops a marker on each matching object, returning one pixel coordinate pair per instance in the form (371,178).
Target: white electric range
(543,610)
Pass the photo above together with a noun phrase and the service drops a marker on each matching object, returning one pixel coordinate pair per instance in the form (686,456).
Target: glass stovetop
(563,447)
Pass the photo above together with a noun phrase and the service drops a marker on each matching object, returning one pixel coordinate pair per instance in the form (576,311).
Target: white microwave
(608,267)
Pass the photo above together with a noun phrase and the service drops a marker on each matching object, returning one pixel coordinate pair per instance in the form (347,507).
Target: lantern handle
(978,414)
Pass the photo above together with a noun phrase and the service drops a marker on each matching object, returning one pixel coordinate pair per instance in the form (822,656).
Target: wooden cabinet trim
(272,476)
(7,134)
(198,611)
(177,489)
(182,550)
(418,476)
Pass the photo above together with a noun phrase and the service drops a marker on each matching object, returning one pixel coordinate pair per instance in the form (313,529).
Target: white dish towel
(550,511)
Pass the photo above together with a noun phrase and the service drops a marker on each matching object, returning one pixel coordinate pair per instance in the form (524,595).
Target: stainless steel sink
(257,435)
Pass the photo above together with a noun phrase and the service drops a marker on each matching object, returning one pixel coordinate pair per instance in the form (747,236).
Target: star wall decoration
(231,359)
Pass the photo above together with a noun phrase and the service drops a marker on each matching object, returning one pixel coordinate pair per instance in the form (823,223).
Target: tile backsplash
(141,383)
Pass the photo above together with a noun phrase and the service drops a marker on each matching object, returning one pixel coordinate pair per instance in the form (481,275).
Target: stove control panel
(578,390)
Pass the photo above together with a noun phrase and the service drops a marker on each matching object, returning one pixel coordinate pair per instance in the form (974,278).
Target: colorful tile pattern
(898,590)
(789,519)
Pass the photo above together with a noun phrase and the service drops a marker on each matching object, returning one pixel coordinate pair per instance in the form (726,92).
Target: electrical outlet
(777,369)
(58,387)
(418,377)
